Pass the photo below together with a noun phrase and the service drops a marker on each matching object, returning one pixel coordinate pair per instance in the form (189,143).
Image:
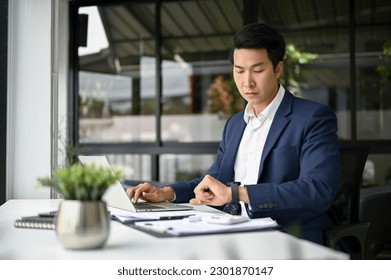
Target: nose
(249,82)
(249,85)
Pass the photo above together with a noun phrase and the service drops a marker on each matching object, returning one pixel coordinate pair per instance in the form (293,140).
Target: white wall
(29,95)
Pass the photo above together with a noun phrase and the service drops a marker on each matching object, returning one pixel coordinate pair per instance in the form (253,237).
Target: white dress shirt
(248,157)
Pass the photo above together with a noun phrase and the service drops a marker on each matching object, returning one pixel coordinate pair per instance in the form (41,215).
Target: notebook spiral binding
(35,222)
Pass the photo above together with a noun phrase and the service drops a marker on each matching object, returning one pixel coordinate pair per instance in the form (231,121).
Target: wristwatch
(234,189)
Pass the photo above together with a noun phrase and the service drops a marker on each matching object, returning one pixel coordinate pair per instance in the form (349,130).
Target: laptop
(116,196)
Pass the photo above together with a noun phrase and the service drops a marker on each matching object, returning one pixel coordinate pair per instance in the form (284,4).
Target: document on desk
(190,226)
(128,217)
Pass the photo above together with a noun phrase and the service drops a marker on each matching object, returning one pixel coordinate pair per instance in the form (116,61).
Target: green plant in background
(385,69)
(67,150)
(385,74)
(294,58)
(70,151)
(81,182)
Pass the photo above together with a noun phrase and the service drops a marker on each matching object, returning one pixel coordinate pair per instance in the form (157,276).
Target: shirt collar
(270,110)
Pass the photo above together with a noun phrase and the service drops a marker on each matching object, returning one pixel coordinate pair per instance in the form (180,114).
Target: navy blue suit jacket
(299,170)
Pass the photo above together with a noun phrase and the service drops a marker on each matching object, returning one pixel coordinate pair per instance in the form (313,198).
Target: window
(156,90)
(317,58)
(138,85)
(197,37)
(116,77)
(373,59)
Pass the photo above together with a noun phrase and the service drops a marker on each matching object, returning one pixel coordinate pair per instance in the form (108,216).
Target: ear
(279,69)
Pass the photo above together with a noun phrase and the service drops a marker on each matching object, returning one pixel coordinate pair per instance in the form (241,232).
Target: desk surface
(127,243)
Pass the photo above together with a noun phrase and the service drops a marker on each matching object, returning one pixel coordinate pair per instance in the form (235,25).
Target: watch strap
(235,192)
(234,207)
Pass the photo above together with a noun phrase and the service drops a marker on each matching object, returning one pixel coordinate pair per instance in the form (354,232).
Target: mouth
(251,93)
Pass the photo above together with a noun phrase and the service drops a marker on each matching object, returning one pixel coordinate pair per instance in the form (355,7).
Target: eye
(238,69)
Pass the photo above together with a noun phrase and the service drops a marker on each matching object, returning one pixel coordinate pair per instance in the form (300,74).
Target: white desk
(127,243)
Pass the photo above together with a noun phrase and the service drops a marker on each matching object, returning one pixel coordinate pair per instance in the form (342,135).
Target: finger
(200,189)
(143,189)
(204,195)
(203,200)
(138,194)
(195,201)
(153,197)
(207,195)
(130,192)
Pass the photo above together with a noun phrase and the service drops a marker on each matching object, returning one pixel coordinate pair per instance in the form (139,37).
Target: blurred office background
(148,83)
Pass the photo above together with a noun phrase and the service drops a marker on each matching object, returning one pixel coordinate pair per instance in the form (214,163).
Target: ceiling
(195,31)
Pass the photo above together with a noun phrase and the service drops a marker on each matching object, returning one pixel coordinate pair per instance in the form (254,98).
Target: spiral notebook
(35,222)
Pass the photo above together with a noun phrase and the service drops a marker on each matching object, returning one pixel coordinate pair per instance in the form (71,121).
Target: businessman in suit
(282,151)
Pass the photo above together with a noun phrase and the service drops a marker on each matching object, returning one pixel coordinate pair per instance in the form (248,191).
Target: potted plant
(82,221)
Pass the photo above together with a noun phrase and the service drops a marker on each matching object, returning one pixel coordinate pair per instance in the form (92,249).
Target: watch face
(233,208)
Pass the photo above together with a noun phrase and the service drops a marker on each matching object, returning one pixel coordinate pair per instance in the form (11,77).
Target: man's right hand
(150,193)
(211,192)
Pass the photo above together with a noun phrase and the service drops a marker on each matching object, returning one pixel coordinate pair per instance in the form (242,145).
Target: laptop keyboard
(146,206)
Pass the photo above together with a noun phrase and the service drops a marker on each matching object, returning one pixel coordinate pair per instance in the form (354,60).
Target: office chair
(350,233)
(375,207)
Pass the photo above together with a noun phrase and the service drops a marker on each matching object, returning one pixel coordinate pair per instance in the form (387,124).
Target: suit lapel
(279,123)
(227,171)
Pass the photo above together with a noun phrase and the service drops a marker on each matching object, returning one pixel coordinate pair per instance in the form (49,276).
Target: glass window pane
(180,168)
(197,87)
(316,66)
(134,167)
(373,59)
(116,96)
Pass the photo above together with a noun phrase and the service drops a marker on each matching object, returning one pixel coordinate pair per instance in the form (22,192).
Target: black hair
(260,36)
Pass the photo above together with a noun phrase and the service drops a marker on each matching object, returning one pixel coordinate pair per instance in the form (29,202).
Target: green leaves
(82,182)
(296,56)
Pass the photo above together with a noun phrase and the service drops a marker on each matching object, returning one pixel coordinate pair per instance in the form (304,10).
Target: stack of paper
(190,227)
(127,217)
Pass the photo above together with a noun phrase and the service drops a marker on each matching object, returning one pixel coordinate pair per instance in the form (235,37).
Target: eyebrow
(252,66)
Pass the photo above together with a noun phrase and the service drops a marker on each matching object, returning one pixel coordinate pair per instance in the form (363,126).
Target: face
(255,77)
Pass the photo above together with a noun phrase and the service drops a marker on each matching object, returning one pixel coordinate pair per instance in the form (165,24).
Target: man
(282,149)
